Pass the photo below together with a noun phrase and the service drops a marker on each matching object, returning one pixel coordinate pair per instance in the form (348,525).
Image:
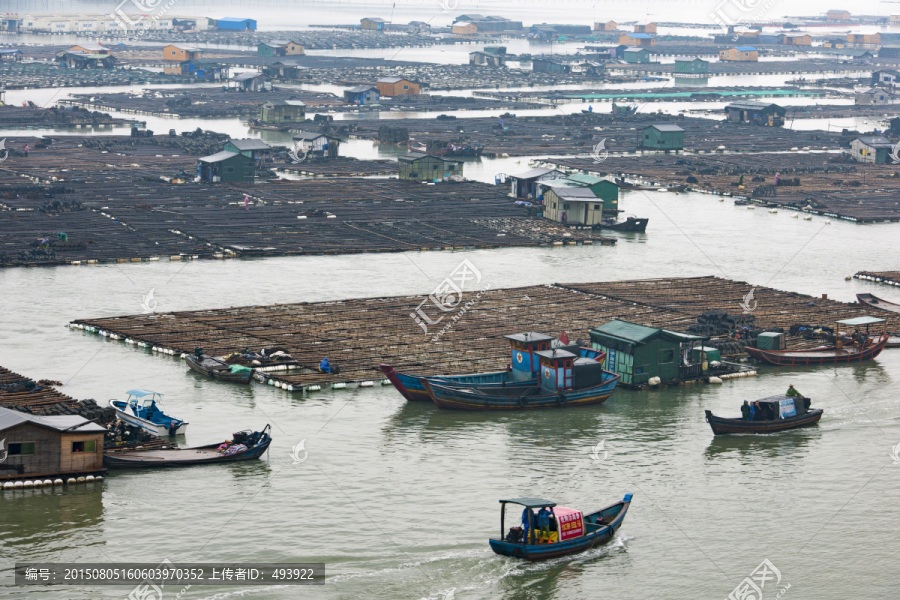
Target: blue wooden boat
(565,380)
(245,445)
(569,532)
(523,371)
(144,409)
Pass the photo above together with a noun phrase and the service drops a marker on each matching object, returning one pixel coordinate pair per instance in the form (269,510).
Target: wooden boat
(870,347)
(565,380)
(216,368)
(570,531)
(523,370)
(631,224)
(877,302)
(143,409)
(254,445)
(778,414)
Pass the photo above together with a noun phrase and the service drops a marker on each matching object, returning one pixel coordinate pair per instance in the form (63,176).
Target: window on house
(666,356)
(596,207)
(229,170)
(21,448)
(405,87)
(85,446)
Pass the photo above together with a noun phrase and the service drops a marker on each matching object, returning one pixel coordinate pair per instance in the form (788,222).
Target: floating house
(372,24)
(886,76)
(636,55)
(362,95)
(464,29)
(251,82)
(286,69)
(89,49)
(608,26)
(739,54)
(604,189)
(543,65)
(526,185)
(54,446)
(637,353)
(251,148)
(316,144)
(418,27)
(873,96)
(83,60)
(226,167)
(11,54)
(645,28)
(417,166)
(841,16)
(480,58)
(864,39)
(280,48)
(236,24)
(755,113)
(637,39)
(282,111)
(691,66)
(396,86)
(795,39)
(201,69)
(874,149)
(664,136)
(177,53)
(572,205)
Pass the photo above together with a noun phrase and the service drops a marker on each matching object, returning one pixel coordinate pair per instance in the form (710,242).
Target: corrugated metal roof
(361,88)
(627,331)
(308,135)
(11,418)
(666,127)
(250,144)
(532,173)
(876,141)
(218,157)
(574,193)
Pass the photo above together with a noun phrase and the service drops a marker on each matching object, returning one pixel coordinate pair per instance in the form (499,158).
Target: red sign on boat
(571,523)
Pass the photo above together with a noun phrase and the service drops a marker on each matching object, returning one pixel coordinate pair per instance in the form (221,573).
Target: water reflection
(788,447)
(40,522)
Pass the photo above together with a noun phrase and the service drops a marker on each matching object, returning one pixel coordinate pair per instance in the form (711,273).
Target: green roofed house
(416,166)
(636,55)
(663,136)
(226,167)
(604,189)
(637,353)
(692,66)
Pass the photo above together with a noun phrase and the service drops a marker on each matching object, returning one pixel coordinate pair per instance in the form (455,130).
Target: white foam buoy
(98,478)
(366,383)
(654,381)
(715,379)
(48,482)
(8,485)
(385,382)
(81,479)
(338,386)
(19,484)
(57,482)
(70,481)
(314,388)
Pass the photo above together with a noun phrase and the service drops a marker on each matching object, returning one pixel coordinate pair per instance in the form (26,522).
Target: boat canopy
(530,502)
(861,321)
(141,393)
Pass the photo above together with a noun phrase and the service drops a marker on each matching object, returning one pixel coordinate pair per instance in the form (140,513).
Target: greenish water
(399,499)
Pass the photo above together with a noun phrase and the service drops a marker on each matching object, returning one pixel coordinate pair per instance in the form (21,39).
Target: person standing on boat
(752,411)
(543,523)
(792,392)
(746,411)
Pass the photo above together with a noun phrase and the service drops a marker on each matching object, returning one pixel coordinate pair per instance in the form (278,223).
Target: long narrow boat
(522,373)
(631,224)
(147,413)
(778,414)
(570,531)
(566,380)
(215,368)
(877,302)
(821,355)
(244,446)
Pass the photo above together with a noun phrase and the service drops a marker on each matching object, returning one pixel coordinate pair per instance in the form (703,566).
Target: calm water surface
(398,499)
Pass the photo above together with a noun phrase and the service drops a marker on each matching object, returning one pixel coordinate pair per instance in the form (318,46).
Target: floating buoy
(385,382)
(314,388)
(81,479)
(19,484)
(654,381)
(338,386)
(8,485)
(773,210)
(70,481)
(367,384)
(807,218)
(48,482)
(57,482)
(715,380)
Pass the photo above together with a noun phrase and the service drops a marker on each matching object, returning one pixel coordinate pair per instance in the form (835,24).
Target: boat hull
(413,389)
(217,374)
(181,457)
(458,398)
(722,425)
(149,426)
(818,356)
(535,552)
(629,225)
(876,302)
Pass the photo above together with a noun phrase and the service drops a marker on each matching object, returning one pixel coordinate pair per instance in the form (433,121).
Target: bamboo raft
(358,335)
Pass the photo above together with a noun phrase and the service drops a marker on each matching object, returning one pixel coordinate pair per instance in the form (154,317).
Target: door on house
(585,221)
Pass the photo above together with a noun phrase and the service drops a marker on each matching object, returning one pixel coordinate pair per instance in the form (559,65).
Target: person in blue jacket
(543,522)
(325,366)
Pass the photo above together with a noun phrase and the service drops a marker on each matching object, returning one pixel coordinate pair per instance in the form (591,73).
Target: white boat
(144,409)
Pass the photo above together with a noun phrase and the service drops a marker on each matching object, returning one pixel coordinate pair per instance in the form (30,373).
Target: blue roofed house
(236,24)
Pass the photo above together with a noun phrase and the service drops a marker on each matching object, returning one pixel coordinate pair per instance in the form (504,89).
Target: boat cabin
(557,369)
(862,334)
(525,362)
(781,407)
(565,523)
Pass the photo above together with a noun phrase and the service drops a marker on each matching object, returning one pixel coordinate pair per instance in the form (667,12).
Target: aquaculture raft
(358,335)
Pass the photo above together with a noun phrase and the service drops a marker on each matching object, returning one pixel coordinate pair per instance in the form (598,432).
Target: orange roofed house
(396,86)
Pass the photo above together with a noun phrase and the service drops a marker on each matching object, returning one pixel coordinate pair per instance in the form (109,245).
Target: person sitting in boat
(325,366)
(198,352)
(792,392)
(746,411)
